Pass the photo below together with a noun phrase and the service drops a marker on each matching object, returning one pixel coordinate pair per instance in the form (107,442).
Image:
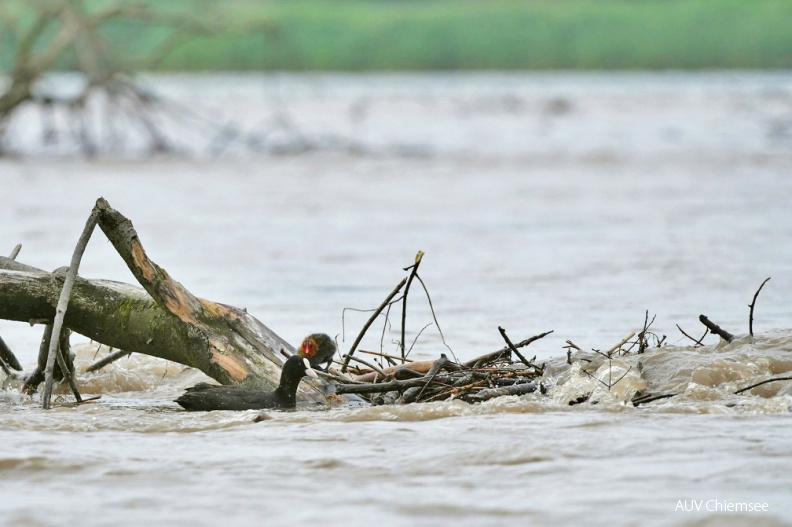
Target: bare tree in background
(47,34)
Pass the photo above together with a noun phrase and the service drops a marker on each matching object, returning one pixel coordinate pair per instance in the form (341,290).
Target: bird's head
(318,348)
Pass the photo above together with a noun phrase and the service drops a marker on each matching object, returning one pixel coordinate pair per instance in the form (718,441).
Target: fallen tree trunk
(163,319)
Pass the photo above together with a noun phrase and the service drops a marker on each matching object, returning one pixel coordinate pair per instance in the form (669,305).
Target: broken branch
(515,389)
(741,390)
(752,304)
(514,349)
(111,358)
(414,270)
(63,303)
(713,327)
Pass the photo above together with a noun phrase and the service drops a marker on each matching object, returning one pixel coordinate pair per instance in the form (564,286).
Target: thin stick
(713,327)
(370,321)
(385,326)
(379,387)
(15,252)
(698,342)
(373,367)
(89,400)
(487,358)
(68,373)
(454,391)
(63,303)
(495,355)
(605,384)
(337,378)
(416,340)
(514,349)
(385,355)
(111,351)
(620,378)
(752,304)
(414,270)
(434,317)
(343,315)
(644,400)
(98,365)
(620,344)
(741,390)
(642,343)
(535,337)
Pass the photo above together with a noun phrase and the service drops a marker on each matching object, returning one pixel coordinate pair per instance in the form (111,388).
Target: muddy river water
(571,202)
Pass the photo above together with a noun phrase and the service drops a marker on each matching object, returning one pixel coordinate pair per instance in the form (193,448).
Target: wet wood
(416,392)
(418,367)
(491,393)
(514,349)
(621,343)
(60,311)
(697,342)
(413,271)
(716,329)
(752,304)
(741,390)
(489,358)
(163,319)
(380,387)
(15,252)
(111,358)
(650,398)
(36,377)
(7,356)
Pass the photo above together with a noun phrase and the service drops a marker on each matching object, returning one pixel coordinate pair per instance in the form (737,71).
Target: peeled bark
(163,319)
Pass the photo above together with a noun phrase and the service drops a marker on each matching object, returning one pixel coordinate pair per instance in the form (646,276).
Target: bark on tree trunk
(162,320)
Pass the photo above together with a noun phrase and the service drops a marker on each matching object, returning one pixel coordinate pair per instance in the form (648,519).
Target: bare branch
(369,322)
(413,271)
(752,304)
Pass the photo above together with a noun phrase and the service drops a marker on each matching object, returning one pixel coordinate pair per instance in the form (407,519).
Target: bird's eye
(308,348)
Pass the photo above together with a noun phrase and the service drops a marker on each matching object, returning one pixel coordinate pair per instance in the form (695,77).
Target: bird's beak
(308,371)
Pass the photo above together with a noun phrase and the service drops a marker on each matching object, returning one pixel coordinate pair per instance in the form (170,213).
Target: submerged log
(163,319)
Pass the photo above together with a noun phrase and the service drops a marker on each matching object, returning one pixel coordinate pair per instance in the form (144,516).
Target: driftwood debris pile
(163,319)
(491,375)
(500,373)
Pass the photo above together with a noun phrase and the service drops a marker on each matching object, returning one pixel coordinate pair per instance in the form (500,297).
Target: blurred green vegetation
(351,35)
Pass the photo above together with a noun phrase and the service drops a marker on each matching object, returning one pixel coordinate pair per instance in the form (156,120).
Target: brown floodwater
(571,202)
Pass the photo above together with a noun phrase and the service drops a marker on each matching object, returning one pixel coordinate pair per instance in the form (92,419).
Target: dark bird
(319,349)
(206,397)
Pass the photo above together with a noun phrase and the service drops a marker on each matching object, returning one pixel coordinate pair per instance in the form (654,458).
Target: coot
(319,349)
(206,397)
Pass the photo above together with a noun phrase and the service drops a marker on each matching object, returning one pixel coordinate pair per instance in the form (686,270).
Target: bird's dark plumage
(319,349)
(206,397)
